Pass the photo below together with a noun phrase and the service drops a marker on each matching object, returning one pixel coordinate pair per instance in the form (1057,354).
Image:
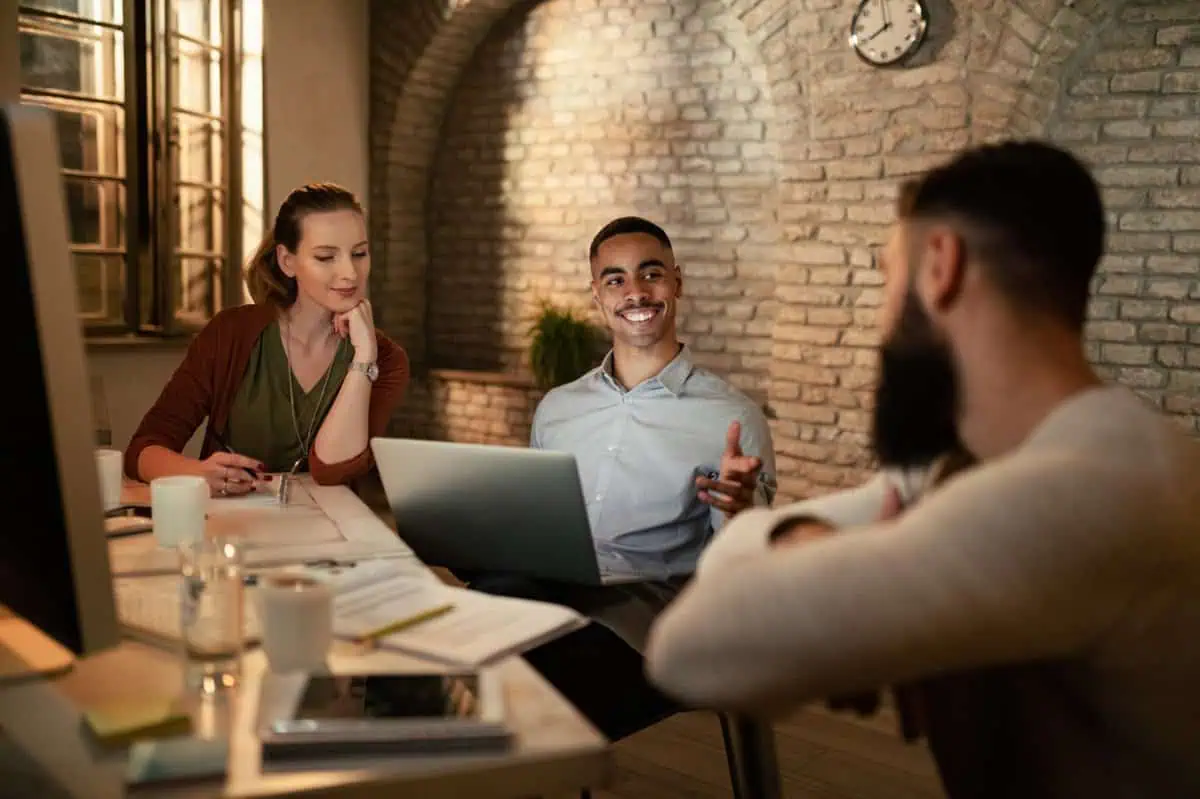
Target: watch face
(886,32)
(372,371)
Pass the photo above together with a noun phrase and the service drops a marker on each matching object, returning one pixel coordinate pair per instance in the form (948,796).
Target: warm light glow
(253,157)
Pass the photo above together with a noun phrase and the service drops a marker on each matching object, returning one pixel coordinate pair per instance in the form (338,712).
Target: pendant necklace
(304,441)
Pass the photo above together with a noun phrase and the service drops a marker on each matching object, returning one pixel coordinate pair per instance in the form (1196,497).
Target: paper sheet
(483,628)
(479,629)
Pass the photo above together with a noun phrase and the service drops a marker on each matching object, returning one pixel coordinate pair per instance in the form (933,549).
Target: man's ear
(678,282)
(942,269)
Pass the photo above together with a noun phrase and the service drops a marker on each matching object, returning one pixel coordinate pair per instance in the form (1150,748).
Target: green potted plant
(564,347)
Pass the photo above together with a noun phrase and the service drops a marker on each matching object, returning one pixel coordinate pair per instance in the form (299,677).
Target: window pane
(101,281)
(199,19)
(91,138)
(95,212)
(99,10)
(200,154)
(201,221)
(199,284)
(197,78)
(69,57)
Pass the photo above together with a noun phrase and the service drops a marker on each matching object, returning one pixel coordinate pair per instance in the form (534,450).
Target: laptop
(492,508)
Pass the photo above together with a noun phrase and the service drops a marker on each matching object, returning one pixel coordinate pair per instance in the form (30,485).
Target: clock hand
(887,20)
(886,25)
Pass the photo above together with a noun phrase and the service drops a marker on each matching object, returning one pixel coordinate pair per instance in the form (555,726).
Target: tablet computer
(310,716)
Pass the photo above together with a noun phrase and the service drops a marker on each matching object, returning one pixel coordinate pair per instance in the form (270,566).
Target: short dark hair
(1033,214)
(625,225)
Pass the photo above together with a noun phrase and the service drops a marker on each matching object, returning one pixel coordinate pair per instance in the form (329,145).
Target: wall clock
(885,33)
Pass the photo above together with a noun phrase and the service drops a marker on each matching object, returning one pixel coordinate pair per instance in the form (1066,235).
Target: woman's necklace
(305,441)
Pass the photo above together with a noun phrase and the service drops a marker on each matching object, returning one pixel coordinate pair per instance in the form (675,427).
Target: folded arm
(1017,562)
(752,531)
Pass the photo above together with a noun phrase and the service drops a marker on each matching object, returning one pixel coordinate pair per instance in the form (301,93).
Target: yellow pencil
(404,624)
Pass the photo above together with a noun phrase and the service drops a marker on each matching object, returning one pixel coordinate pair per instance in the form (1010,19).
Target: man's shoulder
(705,385)
(1114,427)
(567,396)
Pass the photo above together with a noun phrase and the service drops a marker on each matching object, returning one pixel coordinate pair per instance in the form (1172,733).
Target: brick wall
(1133,110)
(567,118)
(470,406)
(505,136)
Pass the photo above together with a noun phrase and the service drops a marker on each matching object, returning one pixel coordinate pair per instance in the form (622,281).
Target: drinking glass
(212,607)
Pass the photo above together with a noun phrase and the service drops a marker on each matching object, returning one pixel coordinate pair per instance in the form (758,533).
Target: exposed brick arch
(1019,75)
(999,72)
(429,43)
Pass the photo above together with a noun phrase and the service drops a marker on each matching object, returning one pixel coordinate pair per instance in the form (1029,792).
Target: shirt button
(612,447)
(599,497)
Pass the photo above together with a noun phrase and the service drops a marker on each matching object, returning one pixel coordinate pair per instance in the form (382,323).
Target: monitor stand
(26,652)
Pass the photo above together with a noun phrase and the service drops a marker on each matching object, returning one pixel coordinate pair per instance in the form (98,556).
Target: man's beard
(917,398)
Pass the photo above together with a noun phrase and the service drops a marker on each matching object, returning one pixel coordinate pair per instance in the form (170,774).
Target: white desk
(556,750)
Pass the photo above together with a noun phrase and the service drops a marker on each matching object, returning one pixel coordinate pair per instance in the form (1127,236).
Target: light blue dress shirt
(639,452)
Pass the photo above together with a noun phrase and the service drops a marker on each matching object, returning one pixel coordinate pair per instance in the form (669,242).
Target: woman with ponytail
(300,380)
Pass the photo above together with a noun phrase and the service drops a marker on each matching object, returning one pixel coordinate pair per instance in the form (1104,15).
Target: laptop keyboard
(151,605)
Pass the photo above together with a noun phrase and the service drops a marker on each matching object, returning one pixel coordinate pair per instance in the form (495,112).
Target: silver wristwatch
(371,370)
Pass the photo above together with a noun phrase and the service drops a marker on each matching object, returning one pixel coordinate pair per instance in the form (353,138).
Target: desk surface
(555,748)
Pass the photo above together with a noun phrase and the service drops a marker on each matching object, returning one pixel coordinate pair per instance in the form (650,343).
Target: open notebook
(432,620)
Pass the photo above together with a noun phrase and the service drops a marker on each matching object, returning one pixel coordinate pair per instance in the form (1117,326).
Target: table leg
(753,745)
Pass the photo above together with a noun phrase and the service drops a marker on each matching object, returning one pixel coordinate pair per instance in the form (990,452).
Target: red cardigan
(206,382)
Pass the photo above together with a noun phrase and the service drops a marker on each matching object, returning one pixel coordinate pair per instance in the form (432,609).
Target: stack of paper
(451,625)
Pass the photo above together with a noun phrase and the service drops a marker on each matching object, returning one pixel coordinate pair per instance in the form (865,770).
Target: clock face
(886,32)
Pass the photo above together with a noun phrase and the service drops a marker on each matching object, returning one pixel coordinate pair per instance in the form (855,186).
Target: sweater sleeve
(1025,559)
(185,402)
(750,532)
(386,393)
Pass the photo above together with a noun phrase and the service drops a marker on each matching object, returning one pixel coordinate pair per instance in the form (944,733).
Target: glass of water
(212,607)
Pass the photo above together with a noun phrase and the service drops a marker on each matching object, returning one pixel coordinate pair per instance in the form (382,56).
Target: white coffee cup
(178,506)
(295,612)
(110,465)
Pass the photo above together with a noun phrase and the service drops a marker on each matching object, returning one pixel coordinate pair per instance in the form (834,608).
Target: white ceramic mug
(178,506)
(295,612)
(110,465)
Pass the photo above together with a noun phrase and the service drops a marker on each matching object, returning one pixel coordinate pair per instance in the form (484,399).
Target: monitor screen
(53,561)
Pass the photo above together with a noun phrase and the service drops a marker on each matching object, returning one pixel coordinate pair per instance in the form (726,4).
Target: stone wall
(506,133)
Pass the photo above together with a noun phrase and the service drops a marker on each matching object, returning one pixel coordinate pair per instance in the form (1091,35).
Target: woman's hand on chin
(358,325)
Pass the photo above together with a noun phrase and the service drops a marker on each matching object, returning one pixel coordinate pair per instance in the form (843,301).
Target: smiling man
(666,450)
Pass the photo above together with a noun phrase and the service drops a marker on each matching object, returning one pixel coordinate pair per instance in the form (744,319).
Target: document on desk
(451,625)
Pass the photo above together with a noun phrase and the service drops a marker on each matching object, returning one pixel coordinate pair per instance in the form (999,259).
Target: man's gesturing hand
(733,490)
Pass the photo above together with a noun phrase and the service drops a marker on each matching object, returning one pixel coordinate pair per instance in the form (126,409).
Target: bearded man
(1046,601)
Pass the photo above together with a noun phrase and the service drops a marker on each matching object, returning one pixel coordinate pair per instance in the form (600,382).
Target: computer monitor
(55,581)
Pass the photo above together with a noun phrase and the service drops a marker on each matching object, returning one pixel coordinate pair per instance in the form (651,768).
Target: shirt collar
(672,377)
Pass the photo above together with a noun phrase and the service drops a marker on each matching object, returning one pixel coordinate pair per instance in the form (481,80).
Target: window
(161,150)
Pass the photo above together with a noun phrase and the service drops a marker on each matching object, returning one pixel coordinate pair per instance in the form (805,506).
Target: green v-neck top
(260,422)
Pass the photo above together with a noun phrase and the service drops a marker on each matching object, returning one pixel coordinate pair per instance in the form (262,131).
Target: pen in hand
(254,475)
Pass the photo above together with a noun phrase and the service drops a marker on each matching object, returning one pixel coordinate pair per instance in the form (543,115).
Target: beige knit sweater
(1050,599)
